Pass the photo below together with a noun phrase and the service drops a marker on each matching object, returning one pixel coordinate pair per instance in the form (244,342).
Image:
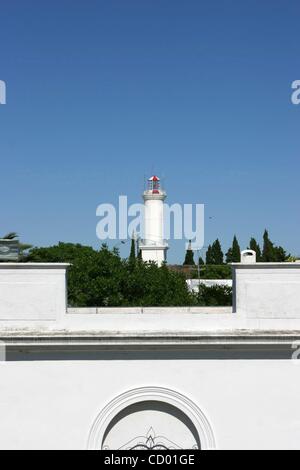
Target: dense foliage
(215,296)
(213,271)
(233,255)
(214,254)
(254,246)
(272,253)
(102,278)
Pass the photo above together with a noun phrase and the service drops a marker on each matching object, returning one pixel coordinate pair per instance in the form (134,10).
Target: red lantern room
(154,184)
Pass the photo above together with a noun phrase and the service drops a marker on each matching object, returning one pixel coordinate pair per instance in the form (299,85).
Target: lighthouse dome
(154,184)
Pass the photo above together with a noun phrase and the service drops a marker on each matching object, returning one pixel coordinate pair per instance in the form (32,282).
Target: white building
(193,284)
(153,246)
(97,378)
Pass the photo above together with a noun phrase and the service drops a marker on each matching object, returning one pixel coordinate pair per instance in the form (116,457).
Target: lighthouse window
(153,184)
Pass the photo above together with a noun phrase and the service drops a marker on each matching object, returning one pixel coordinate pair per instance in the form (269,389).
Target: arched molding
(164,395)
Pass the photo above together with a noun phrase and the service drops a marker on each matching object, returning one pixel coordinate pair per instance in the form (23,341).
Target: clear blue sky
(100,93)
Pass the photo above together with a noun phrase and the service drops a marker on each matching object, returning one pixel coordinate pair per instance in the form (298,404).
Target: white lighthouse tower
(153,247)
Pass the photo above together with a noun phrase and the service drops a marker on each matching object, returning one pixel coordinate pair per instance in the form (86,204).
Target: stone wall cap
(34,265)
(266,265)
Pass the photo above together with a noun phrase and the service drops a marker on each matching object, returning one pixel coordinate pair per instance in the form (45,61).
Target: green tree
(94,277)
(209,259)
(210,271)
(280,254)
(268,254)
(214,253)
(272,253)
(102,278)
(189,256)
(201,261)
(254,246)
(132,252)
(233,255)
(150,285)
(215,295)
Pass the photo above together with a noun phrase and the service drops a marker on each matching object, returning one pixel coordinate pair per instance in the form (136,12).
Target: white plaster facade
(95,378)
(32,291)
(267,290)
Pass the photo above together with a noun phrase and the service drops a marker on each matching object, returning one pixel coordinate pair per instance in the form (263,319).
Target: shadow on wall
(151,425)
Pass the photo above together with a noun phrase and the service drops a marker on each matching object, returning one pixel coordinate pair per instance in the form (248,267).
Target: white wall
(53,404)
(32,291)
(267,290)
(235,368)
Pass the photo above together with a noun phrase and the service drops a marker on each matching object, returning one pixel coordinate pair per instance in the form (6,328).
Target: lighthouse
(153,247)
